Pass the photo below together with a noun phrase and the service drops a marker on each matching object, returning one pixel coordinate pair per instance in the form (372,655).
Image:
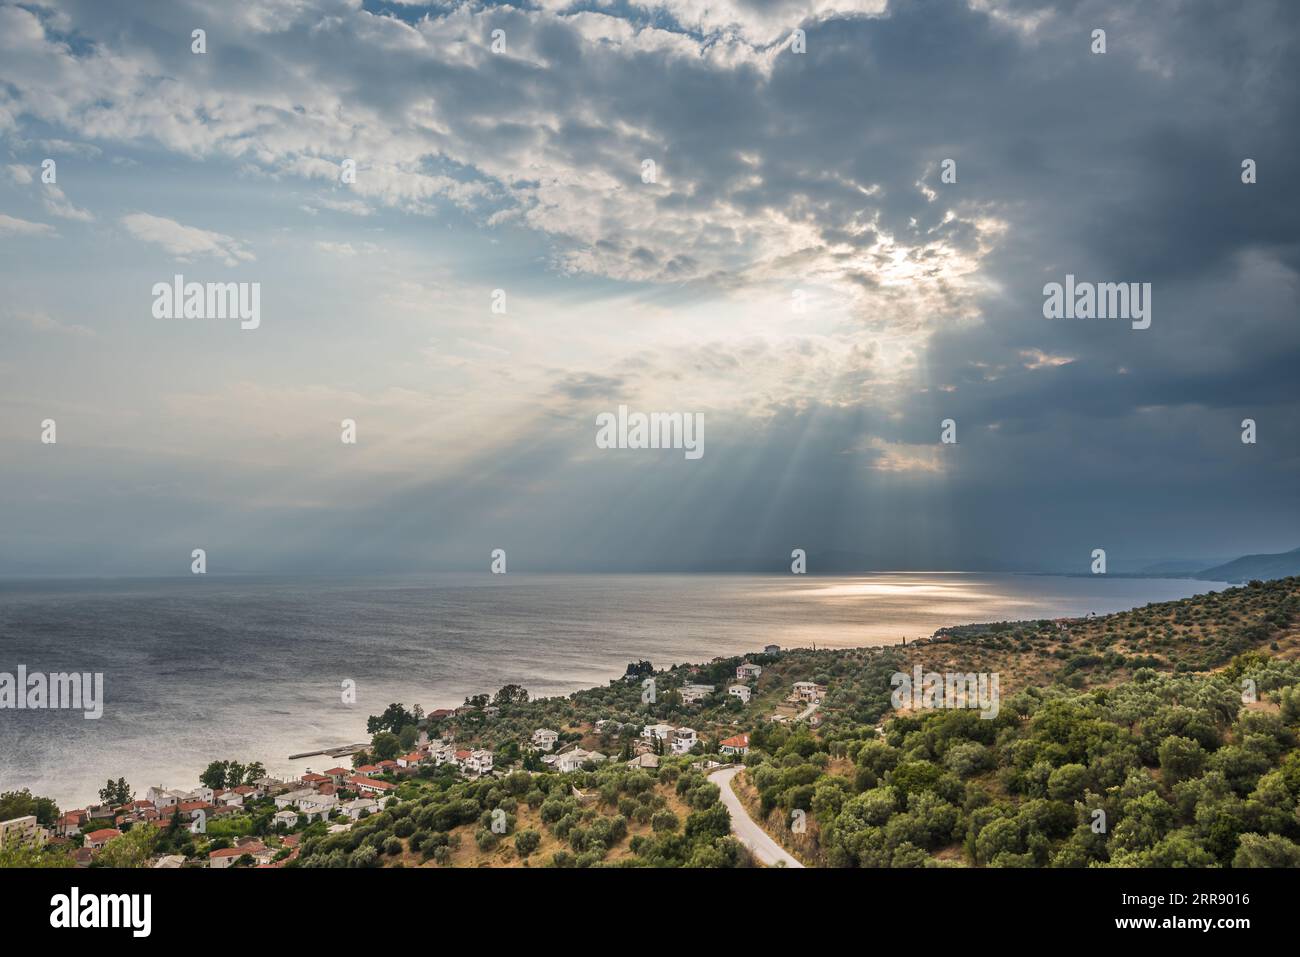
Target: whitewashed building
(683,739)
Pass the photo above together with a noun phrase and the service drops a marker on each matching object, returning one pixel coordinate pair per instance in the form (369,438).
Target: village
(260,821)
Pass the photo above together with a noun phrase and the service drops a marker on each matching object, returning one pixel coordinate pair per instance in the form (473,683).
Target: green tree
(132,849)
(23,803)
(116,792)
(510,695)
(385,746)
(526,842)
(214,775)
(1181,758)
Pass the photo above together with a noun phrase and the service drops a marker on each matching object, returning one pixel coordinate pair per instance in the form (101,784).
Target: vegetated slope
(1249,567)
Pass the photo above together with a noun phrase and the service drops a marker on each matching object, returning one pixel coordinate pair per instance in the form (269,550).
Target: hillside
(1248,567)
(1165,735)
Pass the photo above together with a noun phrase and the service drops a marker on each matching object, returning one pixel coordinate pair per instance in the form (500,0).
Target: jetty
(333,752)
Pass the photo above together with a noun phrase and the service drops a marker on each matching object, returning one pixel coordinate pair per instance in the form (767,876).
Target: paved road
(765,850)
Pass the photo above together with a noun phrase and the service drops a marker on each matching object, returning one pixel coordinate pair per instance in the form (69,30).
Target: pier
(332,752)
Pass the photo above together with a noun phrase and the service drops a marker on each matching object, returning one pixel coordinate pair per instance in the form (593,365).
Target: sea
(254,669)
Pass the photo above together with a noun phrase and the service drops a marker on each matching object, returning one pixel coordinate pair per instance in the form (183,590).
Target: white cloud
(345,249)
(186,242)
(57,204)
(42,322)
(12,226)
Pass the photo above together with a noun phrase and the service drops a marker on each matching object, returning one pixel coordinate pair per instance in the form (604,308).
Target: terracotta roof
(103,834)
(342,771)
(739,741)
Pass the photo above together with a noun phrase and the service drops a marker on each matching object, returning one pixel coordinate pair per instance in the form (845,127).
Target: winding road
(765,850)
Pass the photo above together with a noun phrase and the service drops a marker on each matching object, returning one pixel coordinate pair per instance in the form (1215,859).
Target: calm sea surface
(200,669)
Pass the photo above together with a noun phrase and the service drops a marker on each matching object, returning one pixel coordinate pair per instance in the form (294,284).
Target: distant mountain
(1247,567)
(1177,567)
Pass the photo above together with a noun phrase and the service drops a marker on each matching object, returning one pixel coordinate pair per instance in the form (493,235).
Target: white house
(478,762)
(740,691)
(693,693)
(225,857)
(231,799)
(544,739)
(683,739)
(443,754)
(748,670)
(365,785)
(286,817)
(354,809)
(574,759)
(169,797)
(660,731)
(309,802)
(735,745)
(21,830)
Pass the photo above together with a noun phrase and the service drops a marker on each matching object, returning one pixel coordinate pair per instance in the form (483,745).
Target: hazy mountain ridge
(1264,567)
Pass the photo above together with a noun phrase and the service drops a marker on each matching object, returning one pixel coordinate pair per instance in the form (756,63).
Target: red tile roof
(229,852)
(103,834)
(739,741)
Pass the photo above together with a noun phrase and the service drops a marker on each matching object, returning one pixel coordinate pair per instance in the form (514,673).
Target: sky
(796,269)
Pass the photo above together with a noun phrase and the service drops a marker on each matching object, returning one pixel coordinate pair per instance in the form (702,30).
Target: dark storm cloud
(1122,167)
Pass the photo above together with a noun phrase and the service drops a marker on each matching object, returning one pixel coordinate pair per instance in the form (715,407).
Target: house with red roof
(370,786)
(97,839)
(227,856)
(735,745)
(69,824)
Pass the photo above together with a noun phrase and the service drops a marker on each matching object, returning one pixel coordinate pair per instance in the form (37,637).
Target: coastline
(284,701)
